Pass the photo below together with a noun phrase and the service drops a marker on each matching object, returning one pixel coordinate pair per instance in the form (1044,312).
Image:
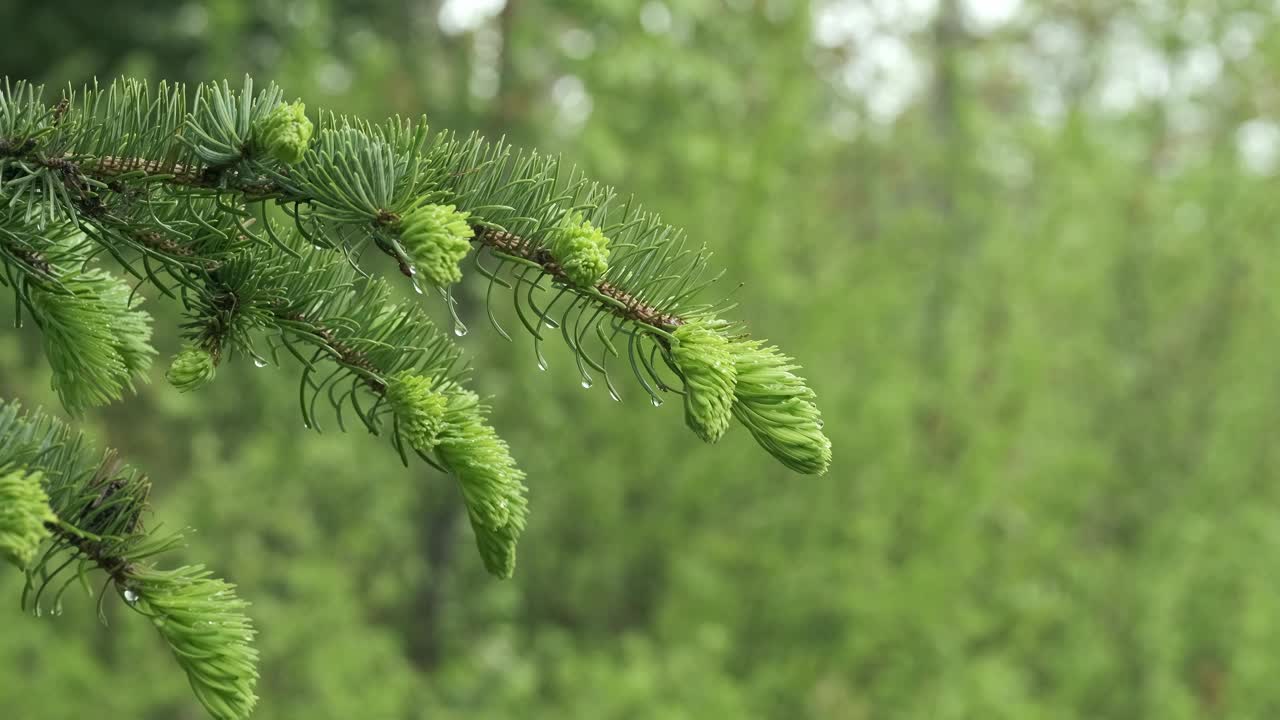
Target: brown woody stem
(629,306)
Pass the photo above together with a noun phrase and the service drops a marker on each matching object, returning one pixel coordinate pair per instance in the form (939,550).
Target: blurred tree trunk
(953,232)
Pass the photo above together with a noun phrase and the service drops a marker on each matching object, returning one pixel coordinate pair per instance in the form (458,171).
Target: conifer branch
(255,220)
(67,511)
(181,184)
(145,170)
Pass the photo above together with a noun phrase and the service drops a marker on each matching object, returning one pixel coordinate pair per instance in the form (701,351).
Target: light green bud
(497,548)
(581,249)
(192,368)
(285,132)
(707,363)
(437,238)
(203,621)
(492,485)
(419,409)
(778,408)
(24,510)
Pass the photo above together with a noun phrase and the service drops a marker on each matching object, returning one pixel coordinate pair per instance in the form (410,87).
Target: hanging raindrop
(614,394)
(130,596)
(657,401)
(416,287)
(259,362)
(586,383)
(459,329)
(542,363)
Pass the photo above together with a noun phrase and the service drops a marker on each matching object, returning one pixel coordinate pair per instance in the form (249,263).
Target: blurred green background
(1025,250)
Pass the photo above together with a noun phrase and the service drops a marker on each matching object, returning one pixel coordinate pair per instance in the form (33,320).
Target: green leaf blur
(1027,259)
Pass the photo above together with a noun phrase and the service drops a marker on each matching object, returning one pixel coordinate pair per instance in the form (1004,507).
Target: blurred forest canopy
(1025,248)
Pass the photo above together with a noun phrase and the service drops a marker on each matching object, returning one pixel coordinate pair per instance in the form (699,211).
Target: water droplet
(459,329)
(821,424)
(259,362)
(130,596)
(57,609)
(657,401)
(586,383)
(550,323)
(416,287)
(542,363)
(614,394)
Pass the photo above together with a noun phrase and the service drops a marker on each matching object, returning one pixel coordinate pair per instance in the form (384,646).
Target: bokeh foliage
(1030,266)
